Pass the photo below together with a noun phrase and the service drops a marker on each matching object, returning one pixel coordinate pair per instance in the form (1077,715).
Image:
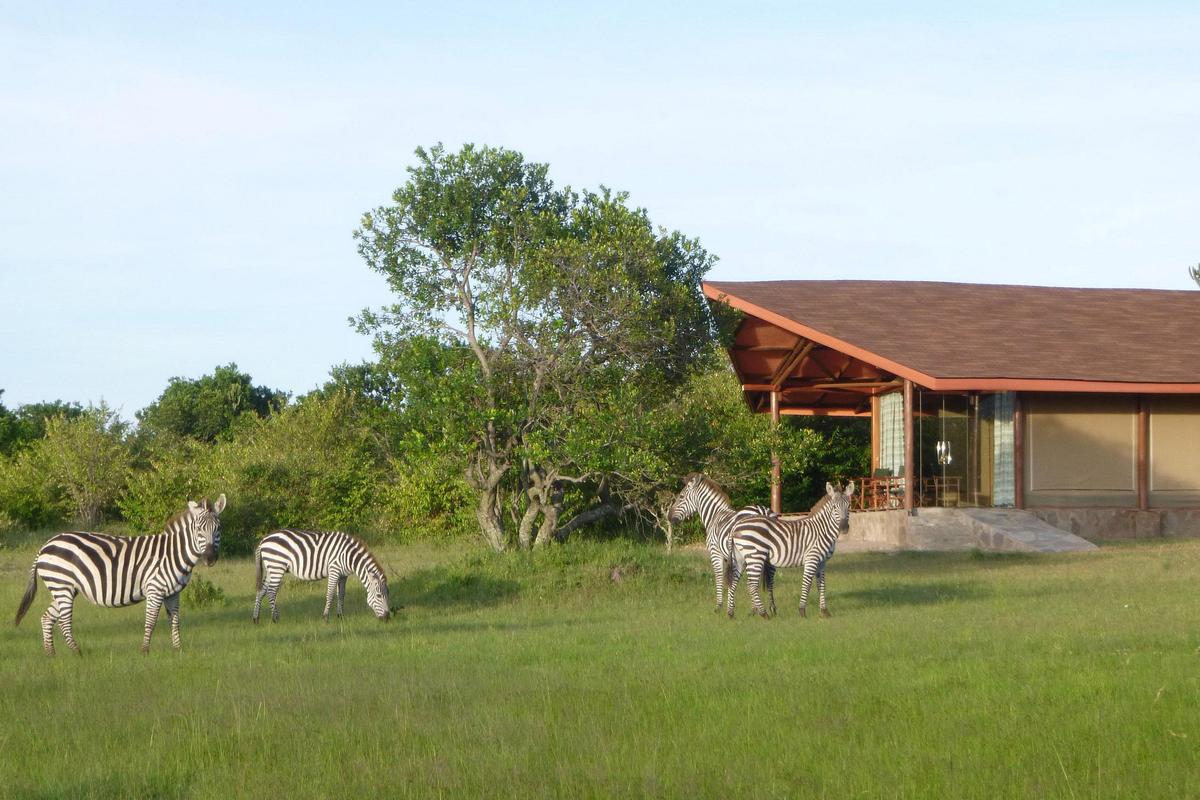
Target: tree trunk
(485,474)
(490,523)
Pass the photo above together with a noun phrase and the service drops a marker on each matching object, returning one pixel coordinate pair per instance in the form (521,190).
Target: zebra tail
(257,569)
(30,591)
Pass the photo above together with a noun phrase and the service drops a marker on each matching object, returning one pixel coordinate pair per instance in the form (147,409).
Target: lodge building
(1055,400)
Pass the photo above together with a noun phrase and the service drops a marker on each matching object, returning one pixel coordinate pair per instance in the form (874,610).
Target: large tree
(525,316)
(27,423)
(206,407)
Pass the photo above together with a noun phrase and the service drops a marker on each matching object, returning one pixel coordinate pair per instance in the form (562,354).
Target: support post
(776,468)
(1143,453)
(874,433)
(910,483)
(1018,452)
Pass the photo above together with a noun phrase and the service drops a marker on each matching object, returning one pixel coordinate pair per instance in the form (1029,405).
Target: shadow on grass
(915,562)
(441,588)
(913,594)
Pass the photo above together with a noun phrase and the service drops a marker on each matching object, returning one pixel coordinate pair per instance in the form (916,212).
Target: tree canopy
(530,320)
(206,407)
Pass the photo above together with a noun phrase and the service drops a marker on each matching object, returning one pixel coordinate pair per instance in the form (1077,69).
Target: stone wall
(1122,523)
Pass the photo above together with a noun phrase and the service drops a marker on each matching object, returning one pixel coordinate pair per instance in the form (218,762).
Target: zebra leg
(754,571)
(66,605)
(270,588)
(258,604)
(341,594)
(809,573)
(720,570)
(734,576)
(330,591)
(769,573)
(153,604)
(821,590)
(172,605)
(48,620)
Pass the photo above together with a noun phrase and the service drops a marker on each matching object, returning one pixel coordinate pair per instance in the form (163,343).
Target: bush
(202,593)
(29,498)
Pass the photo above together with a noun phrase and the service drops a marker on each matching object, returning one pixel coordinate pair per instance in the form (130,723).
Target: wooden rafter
(801,350)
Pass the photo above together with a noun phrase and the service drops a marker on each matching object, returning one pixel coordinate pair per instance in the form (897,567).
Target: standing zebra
(701,496)
(765,543)
(122,570)
(312,555)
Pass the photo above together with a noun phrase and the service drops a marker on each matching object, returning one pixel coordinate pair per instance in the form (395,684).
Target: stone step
(951,529)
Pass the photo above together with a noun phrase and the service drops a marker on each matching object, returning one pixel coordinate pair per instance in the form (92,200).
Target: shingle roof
(957,332)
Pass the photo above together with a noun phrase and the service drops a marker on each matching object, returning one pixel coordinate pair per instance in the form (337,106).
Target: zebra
(312,555)
(122,570)
(702,496)
(765,543)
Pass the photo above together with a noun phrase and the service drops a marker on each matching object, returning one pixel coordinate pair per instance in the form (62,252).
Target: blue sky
(180,184)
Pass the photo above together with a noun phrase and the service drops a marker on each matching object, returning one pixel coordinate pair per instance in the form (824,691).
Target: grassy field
(939,676)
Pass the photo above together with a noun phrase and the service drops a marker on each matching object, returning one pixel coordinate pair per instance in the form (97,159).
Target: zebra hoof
(803,611)
(825,613)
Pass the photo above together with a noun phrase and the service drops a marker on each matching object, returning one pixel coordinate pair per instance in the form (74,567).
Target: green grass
(939,676)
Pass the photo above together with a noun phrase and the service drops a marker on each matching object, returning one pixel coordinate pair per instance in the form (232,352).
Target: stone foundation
(1122,523)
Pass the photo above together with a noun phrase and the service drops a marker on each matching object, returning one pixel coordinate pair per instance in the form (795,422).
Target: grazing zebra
(123,570)
(701,496)
(312,555)
(765,543)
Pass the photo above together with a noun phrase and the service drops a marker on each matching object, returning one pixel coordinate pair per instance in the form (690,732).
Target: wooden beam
(776,467)
(817,411)
(1143,453)
(910,481)
(802,349)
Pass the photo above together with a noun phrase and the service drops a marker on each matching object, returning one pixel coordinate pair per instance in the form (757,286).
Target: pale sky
(178,186)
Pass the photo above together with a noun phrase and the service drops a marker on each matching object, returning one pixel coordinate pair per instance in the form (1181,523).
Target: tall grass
(540,675)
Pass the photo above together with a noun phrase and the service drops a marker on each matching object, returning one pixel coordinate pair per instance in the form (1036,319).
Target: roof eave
(946,384)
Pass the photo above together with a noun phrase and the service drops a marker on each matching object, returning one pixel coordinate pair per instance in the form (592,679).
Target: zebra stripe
(765,543)
(312,555)
(121,570)
(703,497)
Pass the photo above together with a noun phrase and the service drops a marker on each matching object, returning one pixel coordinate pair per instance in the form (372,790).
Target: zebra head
(377,595)
(206,527)
(839,505)
(687,502)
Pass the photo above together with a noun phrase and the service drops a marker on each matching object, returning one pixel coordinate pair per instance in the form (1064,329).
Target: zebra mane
(817,506)
(710,484)
(370,556)
(176,518)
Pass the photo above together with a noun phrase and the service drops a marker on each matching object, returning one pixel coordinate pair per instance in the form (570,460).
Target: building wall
(1081,451)
(1174,451)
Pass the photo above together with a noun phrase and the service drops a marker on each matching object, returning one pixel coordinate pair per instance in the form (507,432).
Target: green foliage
(29,496)
(175,470)
(1195,273)
(27,423)
(527,317)
(207,407)
(88,459)
(201,593)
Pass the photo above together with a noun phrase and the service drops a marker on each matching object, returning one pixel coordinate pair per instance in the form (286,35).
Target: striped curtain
(891,432)
(1003,475)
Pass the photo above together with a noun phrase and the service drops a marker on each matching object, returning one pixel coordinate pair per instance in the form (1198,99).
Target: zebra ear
(850,489)
(828,487)
(193,505)
(219,506)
